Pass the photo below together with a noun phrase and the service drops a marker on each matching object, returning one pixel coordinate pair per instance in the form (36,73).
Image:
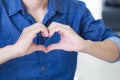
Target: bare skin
(105,50)
(37,8)
(24,45)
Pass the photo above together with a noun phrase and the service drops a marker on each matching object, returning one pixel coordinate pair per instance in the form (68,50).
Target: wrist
(7,53)
(12,51)
(87,44)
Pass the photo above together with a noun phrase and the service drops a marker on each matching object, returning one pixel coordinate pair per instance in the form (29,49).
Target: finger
(45,33)
(56,27)
(30,32)
(53,47)
(37,30)
(32,27)
(42,28)
(38,47)
(53,25)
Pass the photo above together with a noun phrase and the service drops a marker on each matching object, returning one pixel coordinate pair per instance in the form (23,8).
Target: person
(40,39)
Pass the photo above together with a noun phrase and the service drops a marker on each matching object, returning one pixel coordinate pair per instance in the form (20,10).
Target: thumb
(53,47)
(39,48)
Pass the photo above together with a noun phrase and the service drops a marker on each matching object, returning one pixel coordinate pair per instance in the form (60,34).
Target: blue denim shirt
(57,64)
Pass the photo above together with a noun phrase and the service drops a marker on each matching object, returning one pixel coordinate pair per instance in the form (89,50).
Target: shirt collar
(14,6)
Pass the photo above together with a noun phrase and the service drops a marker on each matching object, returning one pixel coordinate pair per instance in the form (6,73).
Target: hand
(70,40)
(25,44)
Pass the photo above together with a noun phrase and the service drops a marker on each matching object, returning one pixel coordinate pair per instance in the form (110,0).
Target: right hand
(25,44)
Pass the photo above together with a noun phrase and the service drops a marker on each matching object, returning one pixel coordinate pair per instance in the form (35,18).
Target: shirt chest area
(12,26)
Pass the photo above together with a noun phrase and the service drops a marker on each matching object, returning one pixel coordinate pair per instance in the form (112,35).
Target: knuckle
(67,26)
(26,29)
(53,22)
(37,24)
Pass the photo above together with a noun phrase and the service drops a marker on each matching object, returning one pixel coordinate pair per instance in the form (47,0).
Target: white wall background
(95,7)
(91,68)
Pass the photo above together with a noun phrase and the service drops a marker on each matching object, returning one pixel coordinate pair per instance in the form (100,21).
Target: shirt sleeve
(95,30)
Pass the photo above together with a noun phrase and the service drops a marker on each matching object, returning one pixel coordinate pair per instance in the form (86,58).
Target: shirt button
(42,68)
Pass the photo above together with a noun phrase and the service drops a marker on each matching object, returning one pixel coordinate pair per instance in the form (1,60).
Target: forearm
(6,53)
(24,45)
(105,50)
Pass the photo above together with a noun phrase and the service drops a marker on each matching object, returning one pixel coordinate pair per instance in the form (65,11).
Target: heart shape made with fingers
(52,31)
(68,38)
(64,43)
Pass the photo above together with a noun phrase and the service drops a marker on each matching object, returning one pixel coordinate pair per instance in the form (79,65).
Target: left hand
(70,40)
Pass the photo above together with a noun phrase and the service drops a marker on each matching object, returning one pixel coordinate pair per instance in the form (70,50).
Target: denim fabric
(57,64)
